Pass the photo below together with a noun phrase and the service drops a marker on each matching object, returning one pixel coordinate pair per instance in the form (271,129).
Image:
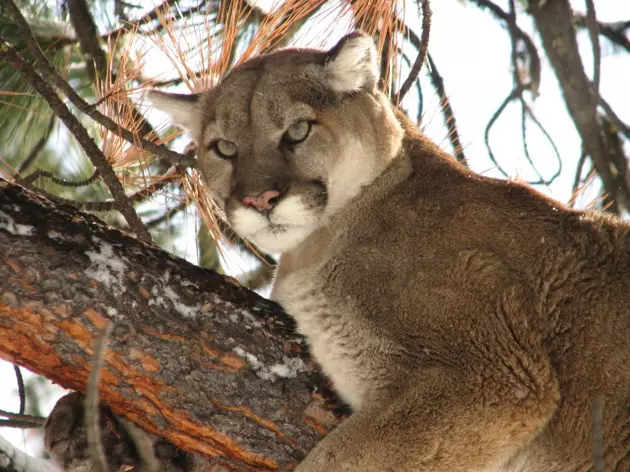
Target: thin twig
(447,112)
(76,128)
(614,32)
(53,76)
(37,148)
(578,179)
(422,53)
(85,29)
(102,205)
(525,146)
(614,118)
(32,177)
(170,213)
(92,416)
(593,31)
(22,417)
(532,52)
(143,446)
(21,389)
(486,135)
(20,424)
(532,116)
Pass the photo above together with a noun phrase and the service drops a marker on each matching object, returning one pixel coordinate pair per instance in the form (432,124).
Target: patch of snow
(289,368)
(106,267)
(249,318)
(185,310)
(162,294)
(241,316)
(111,312)
(7,223)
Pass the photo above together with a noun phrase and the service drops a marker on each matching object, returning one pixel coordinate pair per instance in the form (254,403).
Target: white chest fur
(332,334)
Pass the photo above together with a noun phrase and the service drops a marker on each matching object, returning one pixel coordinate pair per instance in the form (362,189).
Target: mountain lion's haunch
(471,323)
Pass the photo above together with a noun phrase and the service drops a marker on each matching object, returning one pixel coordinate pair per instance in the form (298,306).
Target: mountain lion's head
(288,139)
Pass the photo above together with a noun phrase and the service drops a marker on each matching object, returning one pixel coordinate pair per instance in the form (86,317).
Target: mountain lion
(472,323)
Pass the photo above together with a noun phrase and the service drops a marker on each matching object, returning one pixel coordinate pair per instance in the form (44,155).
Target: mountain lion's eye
(297,132)
(225,149)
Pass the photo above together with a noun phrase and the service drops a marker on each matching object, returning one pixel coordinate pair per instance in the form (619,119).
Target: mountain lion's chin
(278,232)
(279,239)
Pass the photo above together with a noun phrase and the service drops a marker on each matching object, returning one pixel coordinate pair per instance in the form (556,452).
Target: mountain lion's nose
(263,202)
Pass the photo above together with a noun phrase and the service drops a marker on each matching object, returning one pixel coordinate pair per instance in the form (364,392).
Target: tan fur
(471,323)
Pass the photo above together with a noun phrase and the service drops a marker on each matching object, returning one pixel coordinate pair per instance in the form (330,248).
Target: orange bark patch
(166,336)
(149,363)
(211,442)
(77,332)
(248,413)
(62,310)
(28,287)
(96,318)
(144,292)
(233,361)
(15,267)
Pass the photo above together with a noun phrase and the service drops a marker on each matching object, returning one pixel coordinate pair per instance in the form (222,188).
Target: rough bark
(194,357)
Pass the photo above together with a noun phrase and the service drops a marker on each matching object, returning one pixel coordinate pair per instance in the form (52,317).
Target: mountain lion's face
(287,140)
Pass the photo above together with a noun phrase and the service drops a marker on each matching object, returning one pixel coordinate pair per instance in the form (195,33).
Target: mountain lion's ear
(352,65)
(183,109)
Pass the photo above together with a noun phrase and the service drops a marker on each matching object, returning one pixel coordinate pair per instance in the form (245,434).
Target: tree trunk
(193,357)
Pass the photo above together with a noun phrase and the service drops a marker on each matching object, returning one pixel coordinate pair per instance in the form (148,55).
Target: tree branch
(14,460)
(554,22)
(447,112)
(53,76)
(87,34)
(614,32)
(422,53)
(97,157)
(194,358)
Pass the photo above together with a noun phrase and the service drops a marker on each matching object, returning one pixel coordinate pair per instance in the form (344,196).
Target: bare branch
(447,112)
(167,215)
(532,53)
(29,179)
(593,30)
(92,150)
(554,22)
(37,148)
(21,391)
(422,53)
(35,420)
(92,412)
(614,32)
(53,76)
(85,28)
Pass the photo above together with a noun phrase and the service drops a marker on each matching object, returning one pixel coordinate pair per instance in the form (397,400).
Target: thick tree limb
(194,357)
